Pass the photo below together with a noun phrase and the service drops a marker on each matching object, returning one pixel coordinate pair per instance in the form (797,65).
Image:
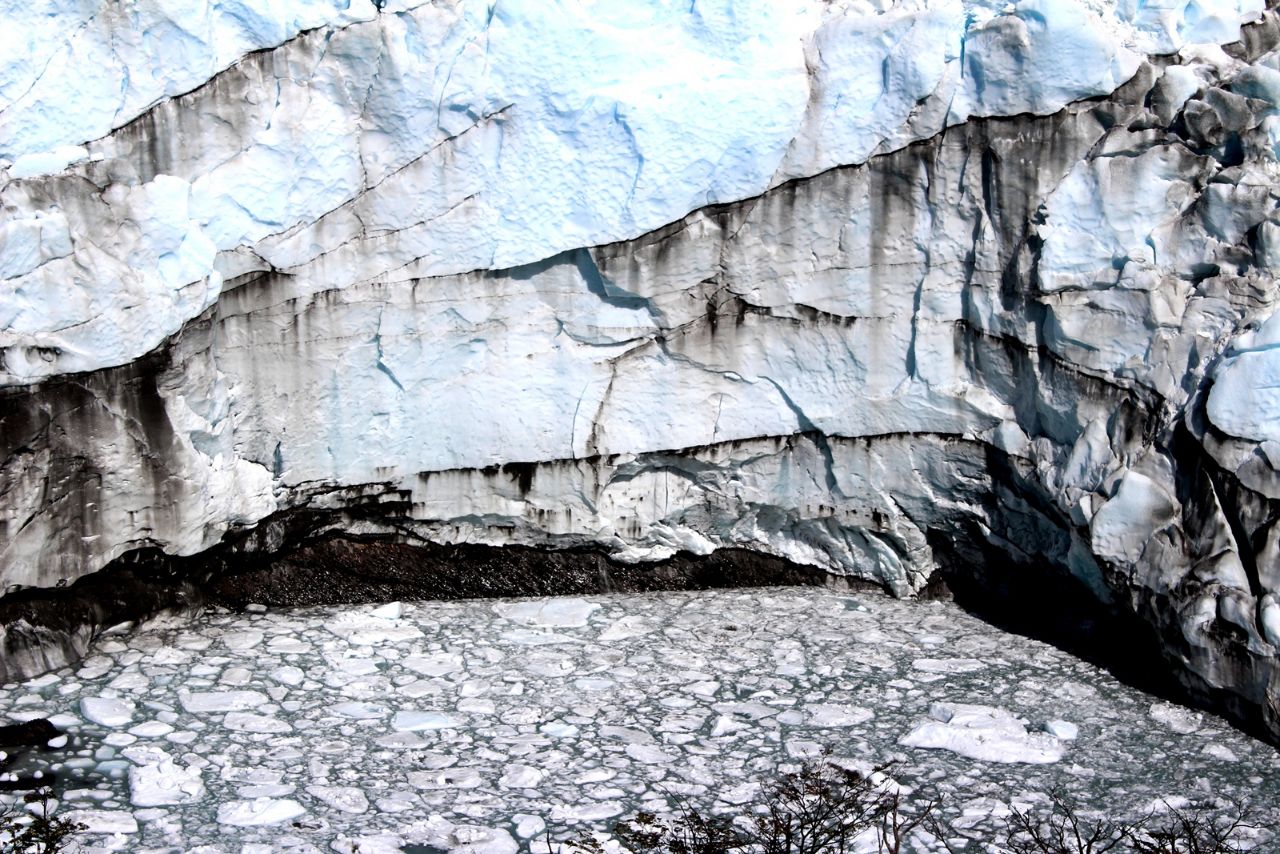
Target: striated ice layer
(491,724)
(346,144)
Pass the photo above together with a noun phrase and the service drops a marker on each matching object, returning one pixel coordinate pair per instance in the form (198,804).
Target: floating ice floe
(156,780)
(983,732)
(103,821)
(107,711)
(827,714)
(249,722)
(948,665)
(345,798)
(1181,720)
(556,613)
(361,711)
(408,721)
(259,811)
(202,702)
(369,629)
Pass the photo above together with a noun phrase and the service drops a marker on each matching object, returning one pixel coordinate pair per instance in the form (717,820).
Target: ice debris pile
(874,286)
(486,724)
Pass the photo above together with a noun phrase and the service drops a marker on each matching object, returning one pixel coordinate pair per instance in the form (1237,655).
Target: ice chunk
(535,637)
(367,629)
(449,778)
(948,665)
(103,821)
(342,798)
(249,722)
(362,711)
(151,729)
(288,675)
(107,711)
(416,721)
(242,640)
(828,714)
(1062,729)
(221,701)
(390,611)
(1177,718)
(259,811)
(164,782)
(630,626)
(984,733)
(528,826)
(439,664)
(521,777)
(561,612)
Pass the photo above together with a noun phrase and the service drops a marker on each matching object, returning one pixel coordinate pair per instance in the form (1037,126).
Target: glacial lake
(482,726)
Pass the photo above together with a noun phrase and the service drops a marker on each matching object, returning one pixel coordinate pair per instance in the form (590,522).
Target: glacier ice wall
(865,285)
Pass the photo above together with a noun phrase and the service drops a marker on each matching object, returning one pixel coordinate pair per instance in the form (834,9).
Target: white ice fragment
(343,798)
(586,812)
(593,683)
(948,665)
(437,664)
(288,675)
(830,714)
(436,833)
(164,782)
(649,754)
(366,629)
(1221,752)
(561,612)
(221,701)
(410,721)
(259,811)
(390,611)
(107,711)
(1064,730)
(449,778)
(151,729)
(397,803)
(103,821)
(528,826)
(361,711)
(726,725)
(535,637)
(984,733)
(1177,718)
(630,626)
(249,722)
(242,640)
(130,680)
(476,706)
(521,777)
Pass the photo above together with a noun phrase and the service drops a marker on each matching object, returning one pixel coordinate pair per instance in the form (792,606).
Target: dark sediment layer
(46,628)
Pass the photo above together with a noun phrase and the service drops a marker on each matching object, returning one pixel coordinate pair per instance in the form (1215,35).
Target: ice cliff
(874,286)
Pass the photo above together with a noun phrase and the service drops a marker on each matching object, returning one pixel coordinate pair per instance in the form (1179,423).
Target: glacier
(882,288)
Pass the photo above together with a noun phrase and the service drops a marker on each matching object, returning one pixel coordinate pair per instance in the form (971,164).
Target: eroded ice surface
(480,723)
